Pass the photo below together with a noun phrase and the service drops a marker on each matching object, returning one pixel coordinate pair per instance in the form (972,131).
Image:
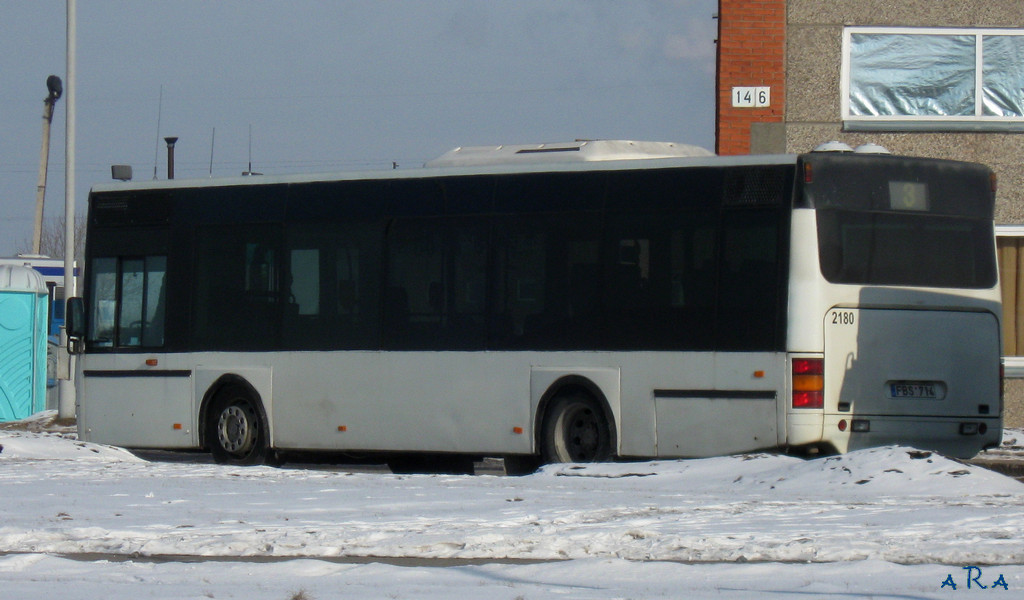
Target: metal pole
(66,405)
(170,156)
(44,159)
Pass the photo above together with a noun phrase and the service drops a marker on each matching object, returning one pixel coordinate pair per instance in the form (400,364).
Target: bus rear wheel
(575,430)
(235,431)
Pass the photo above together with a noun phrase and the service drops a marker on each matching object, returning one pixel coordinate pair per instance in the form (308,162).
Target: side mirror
(74,324)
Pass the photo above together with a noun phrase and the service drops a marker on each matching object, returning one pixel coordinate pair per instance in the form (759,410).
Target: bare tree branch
(51,243)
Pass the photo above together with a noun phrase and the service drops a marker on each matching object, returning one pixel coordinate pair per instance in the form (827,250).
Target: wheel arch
(569,384)
(220,384)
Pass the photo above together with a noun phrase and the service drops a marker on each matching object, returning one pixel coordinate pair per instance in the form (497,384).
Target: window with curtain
(933,79)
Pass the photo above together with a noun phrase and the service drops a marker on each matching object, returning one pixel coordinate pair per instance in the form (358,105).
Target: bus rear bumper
(804,428)
(950,436)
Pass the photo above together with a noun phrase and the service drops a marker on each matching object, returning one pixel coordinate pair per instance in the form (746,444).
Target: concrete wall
(813,58)
(1013,415)
(814,30)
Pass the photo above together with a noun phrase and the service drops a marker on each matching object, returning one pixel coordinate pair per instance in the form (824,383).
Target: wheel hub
(235,430)
(583,435)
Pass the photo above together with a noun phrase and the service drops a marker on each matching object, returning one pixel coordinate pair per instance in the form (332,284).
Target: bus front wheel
(235,431)
(575,430)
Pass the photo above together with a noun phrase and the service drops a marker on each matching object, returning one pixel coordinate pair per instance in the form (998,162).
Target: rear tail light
(808,383)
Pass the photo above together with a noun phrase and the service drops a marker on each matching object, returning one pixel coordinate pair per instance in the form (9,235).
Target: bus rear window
(906,248)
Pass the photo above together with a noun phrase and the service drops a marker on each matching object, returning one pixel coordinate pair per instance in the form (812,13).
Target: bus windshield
(886,223)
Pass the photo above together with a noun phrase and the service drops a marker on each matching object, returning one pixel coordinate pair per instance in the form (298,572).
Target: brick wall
(751,53)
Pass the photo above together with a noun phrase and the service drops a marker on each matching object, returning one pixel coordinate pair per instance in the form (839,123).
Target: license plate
(912,389)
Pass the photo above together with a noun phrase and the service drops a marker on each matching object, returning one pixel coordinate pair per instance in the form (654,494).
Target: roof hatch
(577,151)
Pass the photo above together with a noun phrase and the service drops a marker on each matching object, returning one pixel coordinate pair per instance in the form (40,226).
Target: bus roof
(543,161)
(575,156)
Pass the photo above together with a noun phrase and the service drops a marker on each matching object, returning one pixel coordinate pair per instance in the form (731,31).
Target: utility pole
(55,89)
(66,408)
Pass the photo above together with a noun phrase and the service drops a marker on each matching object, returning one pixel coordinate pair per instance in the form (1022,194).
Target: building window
(1010,242)
(906,79)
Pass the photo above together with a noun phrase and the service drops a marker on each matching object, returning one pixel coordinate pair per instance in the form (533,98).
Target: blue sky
(339,85)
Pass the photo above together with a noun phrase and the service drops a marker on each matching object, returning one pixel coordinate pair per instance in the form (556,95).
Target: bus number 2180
(842,317)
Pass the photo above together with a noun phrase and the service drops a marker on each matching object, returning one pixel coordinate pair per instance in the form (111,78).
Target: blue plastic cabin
(23,331)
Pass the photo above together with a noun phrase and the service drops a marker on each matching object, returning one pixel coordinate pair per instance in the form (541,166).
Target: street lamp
(54,88)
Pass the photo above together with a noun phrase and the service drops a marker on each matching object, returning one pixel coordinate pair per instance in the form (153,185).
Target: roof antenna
(159,109)
(250,171)
(213,138)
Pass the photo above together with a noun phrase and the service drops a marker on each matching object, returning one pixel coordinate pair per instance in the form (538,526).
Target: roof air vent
(871,149)
(833,146)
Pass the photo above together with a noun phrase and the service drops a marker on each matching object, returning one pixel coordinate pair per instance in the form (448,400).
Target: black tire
(517,465)
(236,433)
(575,430)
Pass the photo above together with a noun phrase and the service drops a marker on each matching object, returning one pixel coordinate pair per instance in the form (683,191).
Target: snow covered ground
(87,521)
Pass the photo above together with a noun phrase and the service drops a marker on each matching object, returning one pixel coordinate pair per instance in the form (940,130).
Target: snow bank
(56,447)
(894,504)
(882,521)
(890,470)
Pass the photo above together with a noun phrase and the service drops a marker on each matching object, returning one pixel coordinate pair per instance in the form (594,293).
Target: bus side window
(355,266)
(235,303)
(155,307)
(129,302)
(518,284)
(304,282)
(104,302)
(331,290)
(749,285)
(436,284)
(415,266)
(260,279)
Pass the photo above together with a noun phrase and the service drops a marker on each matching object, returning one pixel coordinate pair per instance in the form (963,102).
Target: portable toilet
(23,319)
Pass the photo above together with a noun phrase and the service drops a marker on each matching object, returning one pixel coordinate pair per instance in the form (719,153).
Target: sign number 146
(751,97)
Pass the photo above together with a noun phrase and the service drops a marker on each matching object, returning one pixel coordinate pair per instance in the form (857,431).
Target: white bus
(542,304)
